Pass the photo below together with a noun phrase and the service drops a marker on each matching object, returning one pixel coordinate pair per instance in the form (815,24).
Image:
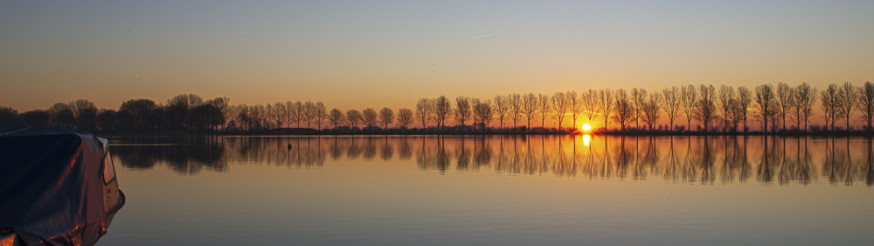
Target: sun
(587,127)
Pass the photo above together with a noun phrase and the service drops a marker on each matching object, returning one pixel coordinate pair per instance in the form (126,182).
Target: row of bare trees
(725,108)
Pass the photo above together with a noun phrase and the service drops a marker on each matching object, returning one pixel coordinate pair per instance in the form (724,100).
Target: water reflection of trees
(696,159)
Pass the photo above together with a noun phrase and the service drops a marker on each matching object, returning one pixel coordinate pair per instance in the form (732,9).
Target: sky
(358,54)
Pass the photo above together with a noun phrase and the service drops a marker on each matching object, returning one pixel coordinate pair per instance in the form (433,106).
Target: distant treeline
(726,109)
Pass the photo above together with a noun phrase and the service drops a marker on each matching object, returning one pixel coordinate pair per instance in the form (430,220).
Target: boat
(57,187)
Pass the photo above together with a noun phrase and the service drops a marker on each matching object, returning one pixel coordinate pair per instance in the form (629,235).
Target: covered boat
(57,187)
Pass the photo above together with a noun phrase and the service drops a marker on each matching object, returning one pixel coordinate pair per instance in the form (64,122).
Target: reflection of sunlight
(586,139)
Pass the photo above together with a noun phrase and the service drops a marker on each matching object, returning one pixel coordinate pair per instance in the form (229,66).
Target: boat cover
(51,190)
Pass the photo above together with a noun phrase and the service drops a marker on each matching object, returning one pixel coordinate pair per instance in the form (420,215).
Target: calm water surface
(453,190)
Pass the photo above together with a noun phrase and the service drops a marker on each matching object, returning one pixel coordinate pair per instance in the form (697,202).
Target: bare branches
(689,100)
(501,108)
(767,107)
(706,109)
(560,104)
(651,108)
(425,110)
(624,109)
(847,99)
(673,102)
(405,117)
(605,105)
(866,103)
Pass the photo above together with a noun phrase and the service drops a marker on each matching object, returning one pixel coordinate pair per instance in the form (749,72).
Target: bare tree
(544,107)
(462,110)
(386,117)
(529,108)
(369,117)
(638,97)
(624,109)
(501,107)
(560,104)
(589,101)
(482,112)
(767,107)
(442,108)
(574,106)
(319,114)
(673,102)
(805,98)
(424,111)
(726,104)
(830,102)
(605,105)
(866,103)
(706,109)
(515,101)
(405,117)
(353,117)
(689,101)
(298,113)
(744,99)
(336,117)
(784,101)
(651,108)
(848,98)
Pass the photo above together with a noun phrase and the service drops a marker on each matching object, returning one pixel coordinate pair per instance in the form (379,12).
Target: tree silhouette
(623,108)
(405,117)
(107,120)
(424,110)
(744,99)
(638,97)
(726,98)
(33,117)
(830,105)
(706,108)
(529,108)
(516,107)
(9,116)
(847,101)
(689,100)
(765,100)
(140,111)
(178,108)
(483,113)
(560,104)
(442,108)
(589,105)
(574,106)
(544,107)
(605,105)
(672,101)
(353,117)
(370,117)
(866,103)
(386,117)
(462,110)
(784,101)
(336,117)
(651,108)
(500,109)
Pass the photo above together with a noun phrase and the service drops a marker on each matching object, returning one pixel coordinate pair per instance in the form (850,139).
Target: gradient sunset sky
(357,54)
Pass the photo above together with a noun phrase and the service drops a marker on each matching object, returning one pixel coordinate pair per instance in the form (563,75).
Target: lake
(493,190)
